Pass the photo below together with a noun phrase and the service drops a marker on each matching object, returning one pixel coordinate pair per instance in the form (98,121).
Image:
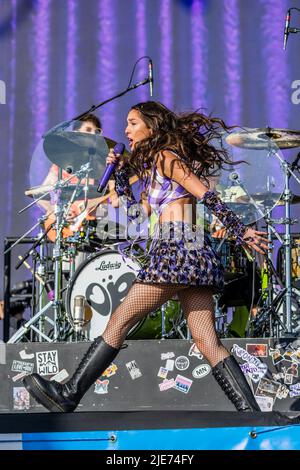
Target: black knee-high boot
(231,379)
(65,398)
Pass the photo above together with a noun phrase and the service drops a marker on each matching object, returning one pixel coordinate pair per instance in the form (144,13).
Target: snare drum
(104,279)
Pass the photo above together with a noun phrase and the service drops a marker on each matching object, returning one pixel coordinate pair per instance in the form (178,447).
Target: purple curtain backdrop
(60,57)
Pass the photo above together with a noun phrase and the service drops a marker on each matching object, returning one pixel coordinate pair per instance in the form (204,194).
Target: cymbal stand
(287,222)
(56,303)
(267,322)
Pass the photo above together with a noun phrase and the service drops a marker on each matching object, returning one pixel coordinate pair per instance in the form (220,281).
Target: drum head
(104,280)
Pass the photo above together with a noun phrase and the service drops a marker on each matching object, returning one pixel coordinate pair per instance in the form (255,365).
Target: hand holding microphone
(113,161)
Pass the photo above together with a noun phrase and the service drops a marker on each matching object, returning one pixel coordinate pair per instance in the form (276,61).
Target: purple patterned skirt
(179,254)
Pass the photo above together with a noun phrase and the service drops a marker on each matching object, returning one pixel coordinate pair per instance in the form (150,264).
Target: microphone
(118,149)
(150,75)
(78,312)
(286,29)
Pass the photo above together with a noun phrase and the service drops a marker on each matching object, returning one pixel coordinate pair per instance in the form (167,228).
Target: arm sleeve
(231,221)
(124,191)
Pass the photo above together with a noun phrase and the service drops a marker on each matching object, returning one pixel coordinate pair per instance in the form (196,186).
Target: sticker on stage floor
(166,385)
(201,371)
(288,354)
(47,362)
(111,370)
(183,384)
(296,356)
(170,365)
(21,398)
(265,403)
(167,355)
(276,356)
(182,363)
(257,349)
(20,366)
(279,376)
(20,376)
(288,379)
(194,351)
(162,373)
(293,369)
(101,387)
(24,355)
(61,376)
(282,392)
(255,373)
(133,370)
(243,354)
(267,388)
(294,390)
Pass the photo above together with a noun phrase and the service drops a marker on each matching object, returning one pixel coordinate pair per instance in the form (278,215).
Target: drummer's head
(88,123)
(145,119)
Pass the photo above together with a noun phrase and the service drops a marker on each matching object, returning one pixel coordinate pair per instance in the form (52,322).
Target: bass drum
(104,279)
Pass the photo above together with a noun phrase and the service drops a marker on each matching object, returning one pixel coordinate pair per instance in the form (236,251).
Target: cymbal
(295,200)
(261,138)
(66,192)
(71,149)
(267,199)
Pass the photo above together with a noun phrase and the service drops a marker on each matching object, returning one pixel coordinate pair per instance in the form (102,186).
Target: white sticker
(170,365)
(167,355)
(133,369)
(19,376)
(194,351)
(166,385)
(201,371)
(19,366)
(265,403)
(23,355)
(47,362)
(182,363)
(61,376)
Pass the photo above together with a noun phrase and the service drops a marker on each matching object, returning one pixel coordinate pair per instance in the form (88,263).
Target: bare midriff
(182,209)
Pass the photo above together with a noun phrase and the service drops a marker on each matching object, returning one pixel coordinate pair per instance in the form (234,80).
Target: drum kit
(78,252)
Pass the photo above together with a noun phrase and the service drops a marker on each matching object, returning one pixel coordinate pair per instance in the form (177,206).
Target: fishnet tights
(143,299)
(198,308)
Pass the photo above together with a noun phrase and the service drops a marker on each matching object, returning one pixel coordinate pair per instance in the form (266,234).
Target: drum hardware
(272,139)
(58,323)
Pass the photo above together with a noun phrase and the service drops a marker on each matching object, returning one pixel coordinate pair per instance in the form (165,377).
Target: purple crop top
(163,190)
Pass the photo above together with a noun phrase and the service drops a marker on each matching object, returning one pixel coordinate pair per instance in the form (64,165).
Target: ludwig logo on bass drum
(105,266)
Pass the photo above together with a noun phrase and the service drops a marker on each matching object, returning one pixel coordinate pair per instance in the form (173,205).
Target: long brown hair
(189,135)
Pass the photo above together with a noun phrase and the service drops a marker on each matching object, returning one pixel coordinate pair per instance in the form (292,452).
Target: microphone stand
(94,107)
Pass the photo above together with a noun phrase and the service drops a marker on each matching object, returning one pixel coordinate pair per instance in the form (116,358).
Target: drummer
(88,124)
